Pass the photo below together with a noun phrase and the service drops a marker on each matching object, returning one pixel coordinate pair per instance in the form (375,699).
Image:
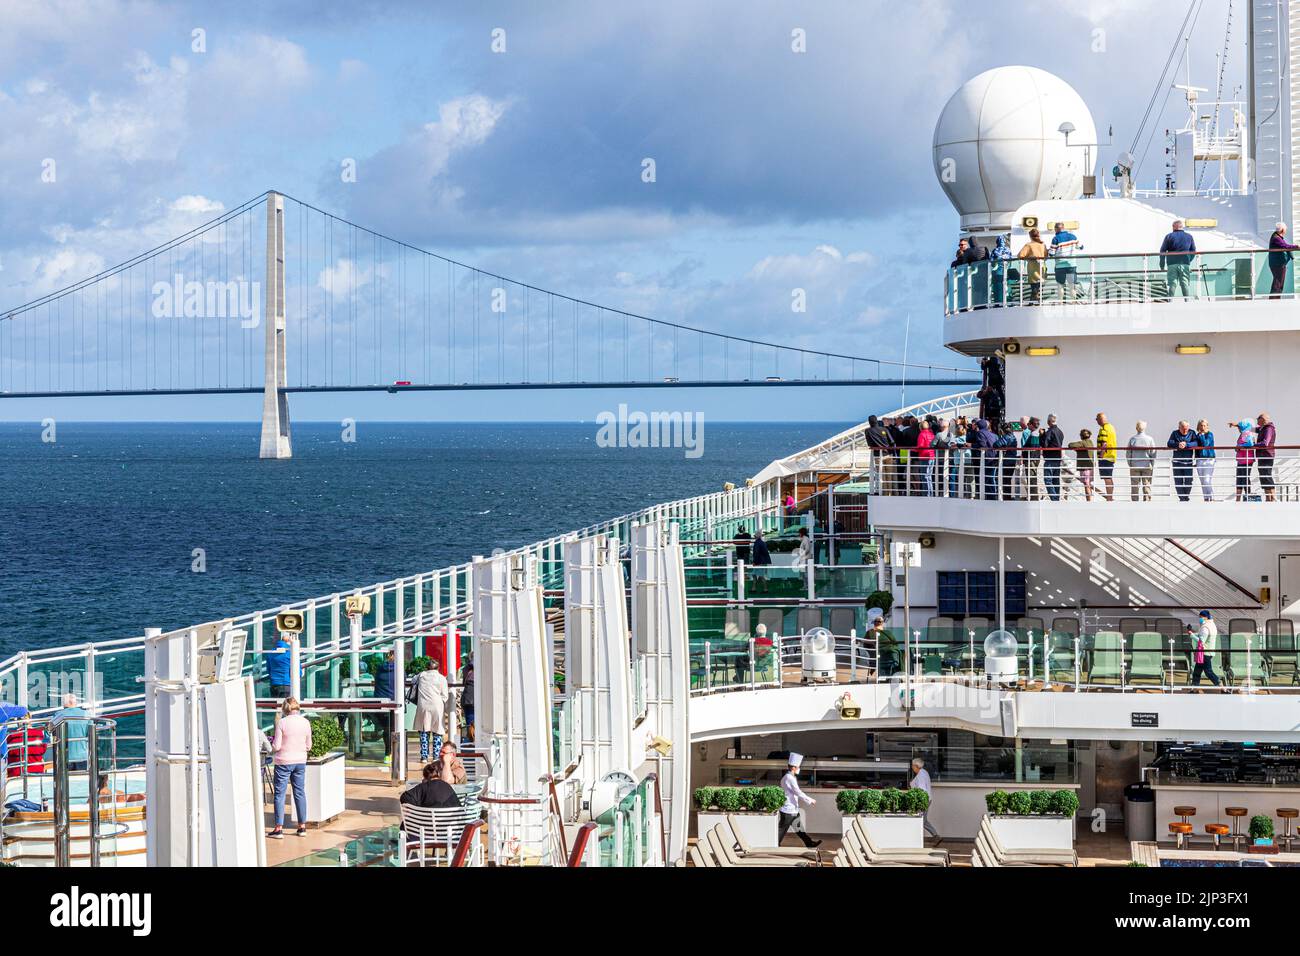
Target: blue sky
(775,169)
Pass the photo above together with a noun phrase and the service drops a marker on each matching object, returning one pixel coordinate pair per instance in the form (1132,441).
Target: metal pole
(62,834)
(397,732)
(92,784)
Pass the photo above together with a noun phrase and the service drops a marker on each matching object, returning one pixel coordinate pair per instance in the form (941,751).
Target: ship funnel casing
(998,145)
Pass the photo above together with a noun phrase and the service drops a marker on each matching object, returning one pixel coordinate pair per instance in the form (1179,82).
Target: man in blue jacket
(385,675)
(986,457)
(279,667)
(1176,255)
(1183,441)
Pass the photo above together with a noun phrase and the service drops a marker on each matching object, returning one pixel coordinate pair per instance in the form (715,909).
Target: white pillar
(275,402)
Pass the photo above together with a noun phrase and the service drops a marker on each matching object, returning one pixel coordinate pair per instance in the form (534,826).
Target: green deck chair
(1148,659)
(1107,657)
(1242,665)
(1279,644)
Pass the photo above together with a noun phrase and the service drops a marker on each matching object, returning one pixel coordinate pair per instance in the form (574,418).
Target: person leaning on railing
(1052,440)
(1184,443)
(1279,259)
(1141,463)
(1176,255)
(1265,453)
(1034,253)
(1205,458)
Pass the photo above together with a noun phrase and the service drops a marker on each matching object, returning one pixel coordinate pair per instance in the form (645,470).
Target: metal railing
(1202,474)
(104,674)
(1062,662)
(1113,280)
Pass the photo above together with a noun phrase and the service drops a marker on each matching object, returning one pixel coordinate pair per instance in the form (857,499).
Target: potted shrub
(892,817)
(883,600)
(1261,829)
(325,783)
(754,809)
(1033,819)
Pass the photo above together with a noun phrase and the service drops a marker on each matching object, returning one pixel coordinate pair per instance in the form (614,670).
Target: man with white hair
(1176,254)
(921,781)
(1141,463)
(1279,259)
(77,730)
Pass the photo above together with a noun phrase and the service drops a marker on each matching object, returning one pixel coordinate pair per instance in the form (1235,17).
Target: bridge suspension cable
(366,311)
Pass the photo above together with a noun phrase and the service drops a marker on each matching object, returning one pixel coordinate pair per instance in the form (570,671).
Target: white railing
(1084,474)
(404,607)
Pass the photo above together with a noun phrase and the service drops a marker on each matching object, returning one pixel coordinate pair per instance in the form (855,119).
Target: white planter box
(758,829)
(325,786)
(1034,833)
(889,830)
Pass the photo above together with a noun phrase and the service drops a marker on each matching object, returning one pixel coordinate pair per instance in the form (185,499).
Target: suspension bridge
(278,296)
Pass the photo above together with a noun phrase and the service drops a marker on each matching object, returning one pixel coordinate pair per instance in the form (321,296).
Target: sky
(791,142)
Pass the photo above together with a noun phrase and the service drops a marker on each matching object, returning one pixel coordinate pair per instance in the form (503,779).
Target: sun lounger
(743,849)
(726,856)
(919,856)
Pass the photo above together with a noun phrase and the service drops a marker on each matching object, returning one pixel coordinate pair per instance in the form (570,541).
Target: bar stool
(1180,831)
(1218,831)
(1287,814)
(1185,812)
(1236,813)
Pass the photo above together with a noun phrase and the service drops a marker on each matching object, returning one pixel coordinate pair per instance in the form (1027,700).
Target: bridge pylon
(276,441)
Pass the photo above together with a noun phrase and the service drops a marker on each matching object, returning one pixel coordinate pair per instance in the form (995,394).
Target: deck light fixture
(1192,349)
(1041,350)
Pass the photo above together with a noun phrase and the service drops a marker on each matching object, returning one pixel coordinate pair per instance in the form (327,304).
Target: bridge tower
(275,402)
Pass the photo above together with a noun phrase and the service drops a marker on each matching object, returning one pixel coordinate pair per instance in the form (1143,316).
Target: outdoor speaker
(926,539)
(1010,348)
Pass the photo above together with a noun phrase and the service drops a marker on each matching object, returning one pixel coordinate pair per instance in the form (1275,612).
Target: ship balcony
(1065,684)
(987,303)
(1000,493)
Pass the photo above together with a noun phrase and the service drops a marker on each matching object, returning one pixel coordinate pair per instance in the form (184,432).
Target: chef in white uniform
(794,800)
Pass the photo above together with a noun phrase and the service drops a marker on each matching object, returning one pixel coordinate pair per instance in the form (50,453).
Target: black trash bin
(1140,812)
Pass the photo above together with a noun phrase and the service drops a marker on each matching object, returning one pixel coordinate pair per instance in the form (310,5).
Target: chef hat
(795,759)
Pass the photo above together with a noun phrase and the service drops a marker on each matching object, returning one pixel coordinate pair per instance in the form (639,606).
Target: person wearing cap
(794,798)
(1245,455)
(1207,642)
(431,696)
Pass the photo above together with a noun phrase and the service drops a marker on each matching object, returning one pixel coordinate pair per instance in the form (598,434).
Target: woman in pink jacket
(291,745)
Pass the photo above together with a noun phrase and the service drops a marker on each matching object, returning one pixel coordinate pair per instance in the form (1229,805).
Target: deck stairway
(1180,570)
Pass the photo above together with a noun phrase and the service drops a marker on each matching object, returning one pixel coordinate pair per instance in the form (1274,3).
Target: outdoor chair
(1045,856)
(1246,665)
(737,622)
(726,856)
(435,829)
(1148,658)
(843,620)
(1107,657)
(732,830)
(918,856)
(1128,626)
(808,618)
(1280,646)
(700,856)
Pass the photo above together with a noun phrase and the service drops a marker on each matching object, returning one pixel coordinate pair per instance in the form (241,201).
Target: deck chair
(726,856)
(919,856)
(981,626)
(843,620)
(1060,656)
(1243,665)
(774,619)
(737,623)
(1279,644)
(808,618)
(1242,625)
(731,829)
(1046,856)
(1148,658)
(1128,626)
(841,858)
(700,856)
(1066,625)
(1107,657)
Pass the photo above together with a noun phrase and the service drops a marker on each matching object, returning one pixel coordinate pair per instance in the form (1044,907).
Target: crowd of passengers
(1177,254)
(1030,460)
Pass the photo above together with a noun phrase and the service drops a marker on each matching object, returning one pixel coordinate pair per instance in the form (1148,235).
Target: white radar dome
(998,145)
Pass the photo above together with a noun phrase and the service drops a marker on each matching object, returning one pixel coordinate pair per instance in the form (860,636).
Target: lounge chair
(919,856)
(1044,856)
(1279,644)
(700,856)
(1242,665)
(841,858)
(731,829)
(858,856)
(726,856)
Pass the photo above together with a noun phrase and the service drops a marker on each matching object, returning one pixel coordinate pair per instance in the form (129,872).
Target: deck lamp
(1192,349)
(1042,350)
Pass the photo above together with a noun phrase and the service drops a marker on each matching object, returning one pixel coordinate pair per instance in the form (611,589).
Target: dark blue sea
(98,529)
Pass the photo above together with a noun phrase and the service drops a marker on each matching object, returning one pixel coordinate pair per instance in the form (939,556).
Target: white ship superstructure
(639,687)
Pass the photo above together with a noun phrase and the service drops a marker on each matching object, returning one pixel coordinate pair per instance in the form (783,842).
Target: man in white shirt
(794,797)
(921,781)
(1141,463)
(1204,649)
